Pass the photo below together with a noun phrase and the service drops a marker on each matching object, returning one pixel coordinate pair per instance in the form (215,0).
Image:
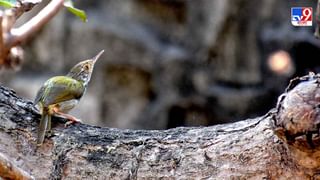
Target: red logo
(301,16)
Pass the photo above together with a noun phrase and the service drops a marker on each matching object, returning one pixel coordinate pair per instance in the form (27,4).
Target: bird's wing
(39,95)
(62,88)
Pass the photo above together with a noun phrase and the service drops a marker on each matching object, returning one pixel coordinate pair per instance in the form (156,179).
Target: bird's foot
(72,120)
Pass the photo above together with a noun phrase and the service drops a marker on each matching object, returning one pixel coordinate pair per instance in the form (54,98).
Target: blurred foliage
(7,3)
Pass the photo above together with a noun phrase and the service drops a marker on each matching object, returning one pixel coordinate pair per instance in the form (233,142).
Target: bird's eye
(86,67)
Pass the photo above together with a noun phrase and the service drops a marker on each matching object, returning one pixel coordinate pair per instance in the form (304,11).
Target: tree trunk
(243,150)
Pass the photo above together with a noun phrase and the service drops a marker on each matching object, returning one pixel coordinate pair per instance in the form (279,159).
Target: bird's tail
(43,127)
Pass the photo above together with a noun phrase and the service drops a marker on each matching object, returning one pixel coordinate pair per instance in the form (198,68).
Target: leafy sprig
(67,3)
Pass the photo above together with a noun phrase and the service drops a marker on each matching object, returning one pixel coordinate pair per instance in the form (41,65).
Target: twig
(22,7)
(11,15)
(18,35)
(10,171)
(12,37)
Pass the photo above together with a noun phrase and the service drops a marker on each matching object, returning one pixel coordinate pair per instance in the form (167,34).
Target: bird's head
(83,70)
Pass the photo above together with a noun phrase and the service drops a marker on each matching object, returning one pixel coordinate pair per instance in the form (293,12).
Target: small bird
(60,94)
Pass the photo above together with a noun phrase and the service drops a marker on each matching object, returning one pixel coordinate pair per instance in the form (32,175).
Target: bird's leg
(67,116)
(48,131)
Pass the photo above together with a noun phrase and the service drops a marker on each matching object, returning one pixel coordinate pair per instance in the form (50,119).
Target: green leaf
(7,3)
(78,12)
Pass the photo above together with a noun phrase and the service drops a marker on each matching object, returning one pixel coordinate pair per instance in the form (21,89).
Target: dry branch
(18,35)
(13,37)
(244,150)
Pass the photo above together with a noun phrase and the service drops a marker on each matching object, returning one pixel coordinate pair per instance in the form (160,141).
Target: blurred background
(170,63)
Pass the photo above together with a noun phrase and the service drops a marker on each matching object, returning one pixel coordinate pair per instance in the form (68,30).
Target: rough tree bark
(270,147)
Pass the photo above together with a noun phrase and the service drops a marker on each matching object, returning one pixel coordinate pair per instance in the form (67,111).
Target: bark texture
(243,150)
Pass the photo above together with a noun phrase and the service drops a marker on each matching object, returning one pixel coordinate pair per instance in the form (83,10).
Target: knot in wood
(297,117)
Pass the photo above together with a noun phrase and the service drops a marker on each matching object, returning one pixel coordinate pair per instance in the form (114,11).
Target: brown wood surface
(247,149)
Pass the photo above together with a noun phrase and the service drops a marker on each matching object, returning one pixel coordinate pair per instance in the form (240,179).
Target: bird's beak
(97,56)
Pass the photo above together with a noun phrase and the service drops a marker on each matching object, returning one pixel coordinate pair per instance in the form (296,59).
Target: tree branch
(20,34)
(11,15)
(284,143)
(12,37)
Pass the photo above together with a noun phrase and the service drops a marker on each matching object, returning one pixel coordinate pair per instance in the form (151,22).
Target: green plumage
(60,94)
(58,89)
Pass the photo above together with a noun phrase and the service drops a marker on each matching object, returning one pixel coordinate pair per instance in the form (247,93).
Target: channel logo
(301,16)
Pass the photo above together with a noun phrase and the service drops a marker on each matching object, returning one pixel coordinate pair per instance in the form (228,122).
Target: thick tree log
(244,150)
